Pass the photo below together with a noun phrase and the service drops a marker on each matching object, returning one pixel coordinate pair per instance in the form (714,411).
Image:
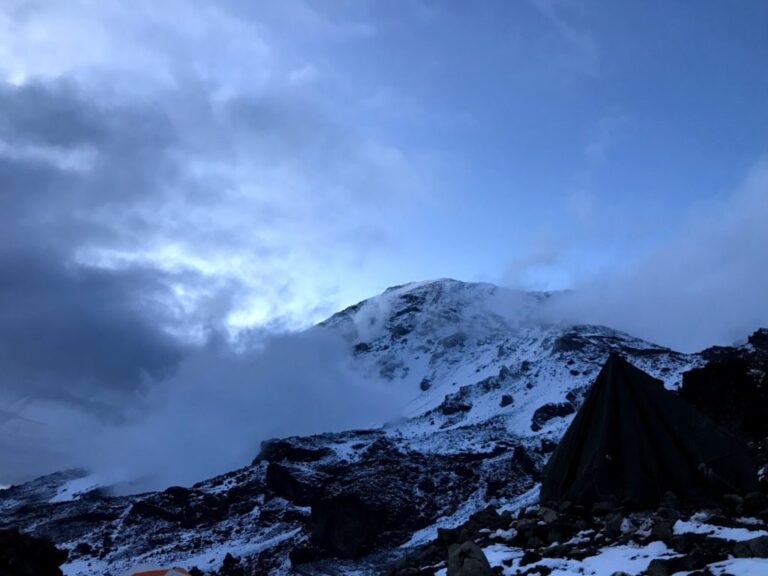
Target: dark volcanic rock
(294,485)
(732,391)
(542,533)
(755,502)
(522,463)
(23,555)
(549,411)
(454,404)
(504,376)
(571,342)
(276,450)
(346,525)
(362,347)
(380,499)
(755,548)
(759,341)
(468,560)
(182,506)
(231,566)
(376,501)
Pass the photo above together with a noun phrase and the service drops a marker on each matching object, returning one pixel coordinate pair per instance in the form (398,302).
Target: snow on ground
(214,556)
(456,519)
(207,559)
(84,566)
(741,567)
(76,487)
(630,559)
(696,526)
(529,498)
(750,521)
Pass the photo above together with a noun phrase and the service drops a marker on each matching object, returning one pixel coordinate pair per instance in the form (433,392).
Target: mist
(212,415)
(705,284)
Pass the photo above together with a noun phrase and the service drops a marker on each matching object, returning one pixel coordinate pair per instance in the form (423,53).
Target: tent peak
(632,440)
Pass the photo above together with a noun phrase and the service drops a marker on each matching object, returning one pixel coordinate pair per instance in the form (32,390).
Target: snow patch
(73,489)
(694,526)
(741,567)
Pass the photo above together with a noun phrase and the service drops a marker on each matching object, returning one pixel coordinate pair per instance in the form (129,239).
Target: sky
(176,173)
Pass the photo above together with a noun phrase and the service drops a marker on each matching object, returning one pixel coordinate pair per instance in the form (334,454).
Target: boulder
(549,411)
(663,530)
(522,463)
(345,525)
(613,525)
(755,502)
(547,515)
(468,560)
(231,566)
(277,450)
(660,567)
(755,548)
(455,403)
(529,557)
(293,484)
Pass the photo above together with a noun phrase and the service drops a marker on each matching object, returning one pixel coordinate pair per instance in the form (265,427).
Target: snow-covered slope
(449,343)
(491,381)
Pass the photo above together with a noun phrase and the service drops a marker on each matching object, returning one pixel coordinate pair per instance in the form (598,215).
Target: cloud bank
(208,417)
(705,283)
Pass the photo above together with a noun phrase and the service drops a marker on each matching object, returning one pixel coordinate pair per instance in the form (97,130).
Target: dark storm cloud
(73,332)
(66,156)
(72,174)
(51,114)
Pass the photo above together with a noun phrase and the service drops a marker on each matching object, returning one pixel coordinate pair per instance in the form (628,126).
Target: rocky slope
(727,536)
(491,381)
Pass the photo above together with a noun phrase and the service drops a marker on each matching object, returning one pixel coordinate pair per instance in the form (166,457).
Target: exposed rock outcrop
(467,559)
(549,411)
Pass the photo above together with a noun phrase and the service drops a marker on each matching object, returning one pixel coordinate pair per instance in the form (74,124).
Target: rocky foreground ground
(729,537)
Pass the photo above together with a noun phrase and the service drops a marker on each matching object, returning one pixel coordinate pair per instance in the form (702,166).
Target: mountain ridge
(491,381)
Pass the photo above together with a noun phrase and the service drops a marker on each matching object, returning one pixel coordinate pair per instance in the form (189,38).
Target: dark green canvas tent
(633,440)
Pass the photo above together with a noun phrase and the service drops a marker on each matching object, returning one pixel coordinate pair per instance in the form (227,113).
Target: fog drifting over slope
(210,416)
(707,284)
